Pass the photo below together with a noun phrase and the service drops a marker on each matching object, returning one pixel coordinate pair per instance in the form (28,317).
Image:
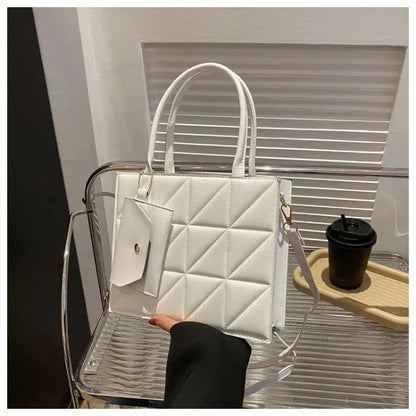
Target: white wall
(60,46)
(114,68)
(95,77)
(390,218)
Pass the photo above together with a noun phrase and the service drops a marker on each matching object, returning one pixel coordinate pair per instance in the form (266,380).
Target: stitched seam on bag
(227,253)
(271,286)
(218,176)
(205,300)
(187,246)
(229,206)
(206,252)
(249,255)
(204,275)
(179,279)
(187,242)
(213,175)
(179,233)
(246,335)
(207,203)
(246,281)
(260,196)
(139,201)
(282,316)
(251,303)
(223,227)
(174,271)
(272,283)
(177,190)
(207,175)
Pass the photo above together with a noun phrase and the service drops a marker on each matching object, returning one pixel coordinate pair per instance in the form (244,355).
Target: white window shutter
(317,106)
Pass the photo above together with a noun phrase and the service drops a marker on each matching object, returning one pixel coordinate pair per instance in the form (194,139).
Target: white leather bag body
(227,255)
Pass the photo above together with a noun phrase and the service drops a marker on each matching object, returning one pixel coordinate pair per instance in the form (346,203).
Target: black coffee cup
(349,244)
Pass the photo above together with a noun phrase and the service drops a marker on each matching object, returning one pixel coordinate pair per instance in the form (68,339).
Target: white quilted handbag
(223,260)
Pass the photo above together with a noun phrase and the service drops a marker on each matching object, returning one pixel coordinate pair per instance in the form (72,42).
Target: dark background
(37,223)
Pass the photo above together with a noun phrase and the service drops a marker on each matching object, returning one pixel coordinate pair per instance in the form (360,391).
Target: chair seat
(344,360)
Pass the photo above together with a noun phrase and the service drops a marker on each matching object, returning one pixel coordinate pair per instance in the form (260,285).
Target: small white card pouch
(160,231)
(140,245)
(132,245)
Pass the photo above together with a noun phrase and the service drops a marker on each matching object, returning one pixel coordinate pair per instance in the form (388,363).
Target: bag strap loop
(239,158)
(170,129)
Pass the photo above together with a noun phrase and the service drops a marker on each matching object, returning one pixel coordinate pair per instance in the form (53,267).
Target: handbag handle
(239,158)
(170,129)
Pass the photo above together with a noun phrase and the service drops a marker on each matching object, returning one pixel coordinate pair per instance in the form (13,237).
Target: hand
(163,321)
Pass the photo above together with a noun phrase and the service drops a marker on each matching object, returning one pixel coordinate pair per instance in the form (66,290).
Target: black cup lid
(351,232)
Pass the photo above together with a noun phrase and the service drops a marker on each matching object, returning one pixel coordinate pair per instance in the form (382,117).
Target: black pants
(205,368)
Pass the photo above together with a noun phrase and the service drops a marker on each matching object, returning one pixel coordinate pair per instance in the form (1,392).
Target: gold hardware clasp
(141,173)
(288,216)
(137,248)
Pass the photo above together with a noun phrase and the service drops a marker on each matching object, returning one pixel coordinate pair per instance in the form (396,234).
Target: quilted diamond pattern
(220,264)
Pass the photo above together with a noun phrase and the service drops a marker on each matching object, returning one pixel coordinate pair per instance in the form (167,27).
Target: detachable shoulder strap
(295,240)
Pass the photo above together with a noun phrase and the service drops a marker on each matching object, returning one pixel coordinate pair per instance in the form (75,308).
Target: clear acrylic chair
(343,360)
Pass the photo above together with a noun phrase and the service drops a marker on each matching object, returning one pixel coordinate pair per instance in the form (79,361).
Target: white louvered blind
(317,106)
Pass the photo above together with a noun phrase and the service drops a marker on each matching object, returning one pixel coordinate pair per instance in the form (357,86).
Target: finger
(163,321)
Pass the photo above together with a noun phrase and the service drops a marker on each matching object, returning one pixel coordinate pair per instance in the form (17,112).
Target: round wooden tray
(383,295)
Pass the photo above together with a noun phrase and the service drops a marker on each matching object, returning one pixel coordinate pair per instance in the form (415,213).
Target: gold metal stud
(137,248)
